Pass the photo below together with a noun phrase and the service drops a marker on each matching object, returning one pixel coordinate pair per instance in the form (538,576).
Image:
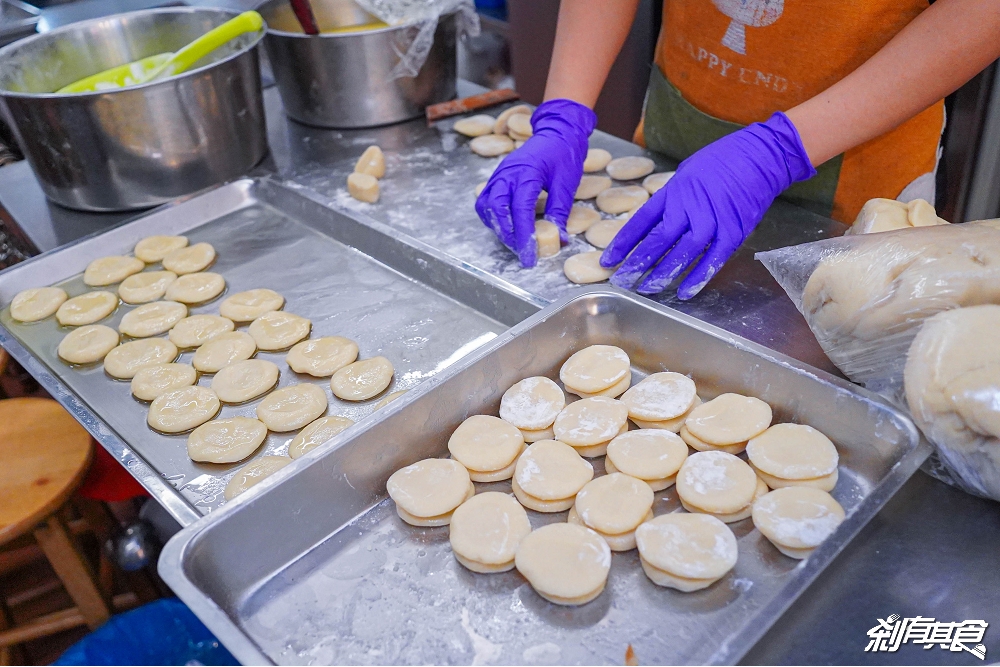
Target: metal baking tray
(394,296)
(338,578)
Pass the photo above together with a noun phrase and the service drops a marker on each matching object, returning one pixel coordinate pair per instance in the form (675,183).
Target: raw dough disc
(585,268)
(479,188)
(430,489)
(601,448)
(618,541)
(292,407)
(254,473)
(648,455)
(190,259)
(196,287)
(196,330)
(565,564)
(825,483)
(591,186)
(362,380)
(622,199)
(519,125)
(716,482)
(614,391)
(127,359)
(532,404)
(654,182)
(534,435)
(614,504)
(145,286)
(654,484)
(245,380)
(630,168)
(552,470)
(793,451)
(694,547)
(486,531)
(87,344)
(660,396)
(390,398)
(278,330)
(226,440)
(248,306)
(500,126)
(363,187)
(672,425)
(729,419)
(322,357)
(474,126)
(547,238)
(154,248)
(595,368)
(37,303)
(317,433)
(86,308)
(222,350)
(730,517)
(372,162)
(597,159)
(601,233)
(183,409)
(491,145)
(152,319)
(153,381)
(590,421)
(111,270)
(797,517)
(483,443)
(581,219)
(702,446)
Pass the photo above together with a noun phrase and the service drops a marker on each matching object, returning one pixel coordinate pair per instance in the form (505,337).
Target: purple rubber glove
(713,202)
(551,160)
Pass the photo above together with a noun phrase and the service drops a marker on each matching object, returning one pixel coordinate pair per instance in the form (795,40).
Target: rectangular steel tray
(336,577)
(394,296)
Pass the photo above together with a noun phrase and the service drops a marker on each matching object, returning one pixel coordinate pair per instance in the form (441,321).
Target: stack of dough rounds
(222,350)
(87,344)
(602,233)
(487,446)
(597,159)
(278,330)
(654,182)
(316,433)
(362,380)
(183,409)
(622,199)
(86,308)
(500,126)
(532,405)
(226,440)
(661,400)
(585,268)
(111,270)
(253,474)
(794,455)
(146,286)
(630,168)
(581,219)
(652,456)
(547,238)
(190,259)
(152,319)
(196,287)
(248,306)
(719,484)
(486,531)
(797,519)
(292,407)
(613,506)
(154,248)
(428,492)
(244,381)
(153,381)
(590,424)
(519,126)
(591,186)
(548,475)
(597,370)
(322,357)
(566,564)
(688,552)
(726,423)
(474,126)
(37,303)
(127,359)
(196,330)
(491,145)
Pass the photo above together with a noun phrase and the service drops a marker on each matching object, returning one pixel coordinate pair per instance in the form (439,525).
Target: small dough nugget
(153,381)
(487,446)
(519,126)
(87,344)
(565,564)
(486,531)
(127,359)
(253,474)
(244,381)
(183,409)
(37,303)
(152,319)
(145,286)
(595,368)
(86,308)
(491,145)
(428,492)
(279,330)
(622,199)
(590,424)
(729,419)
(191,259)
(226,440)
(547,238)
(797,519)
(602,233)
(293,407)
(500,126)
(655,457)
(548,475)
(363,187)
(222,350)
(317,433)
(322,357)
(111,270)
(613,505)
(362,380)
(196,330)
(154,248)
(688,552)
(654,182)
(596,160)
(532,405)
(591,186)
(474,126)
(719,484)
(248,306)
(630,168)
(372,162)
(672,425)
(794,455)
(198,287)
(660,396)
(581,219)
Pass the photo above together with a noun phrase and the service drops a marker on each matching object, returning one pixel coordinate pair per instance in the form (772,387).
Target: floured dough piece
(565,564)
(196,287)
(183,409)
(630,168)
(152,319)
(222,350)
(548,475)
(595,368)
(660,396)
(248,306)
(655,457)
(547,237)
(292,407)
(654,182)
(717,483)
(581,219)
(590,424)
(486,531)
(127,359)
(322,357)
(794,455)
(245,380)
(37,303)
(191,259)
(491,145)
(622,199)
(317,433)
(487,446)
(500,126)
(154,248)
(591,186)
(688,552)
(614,505)
(86,308)
(601,233)
(519,126)
(729,419)
(279,330)
(254,473)
(585,268)
(474,126)
(362,380)
(145,286)
(111,270)
(597,159)
(797,519)
(196,330)
(702,446)
(427,492)
(153,381)
(87,344)
(226,440)
(372,162)
(390,398)
(363,187)
(672,425)
(532,404)
(534,435)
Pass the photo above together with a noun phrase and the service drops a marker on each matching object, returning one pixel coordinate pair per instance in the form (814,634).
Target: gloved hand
(551,160)
(713,202)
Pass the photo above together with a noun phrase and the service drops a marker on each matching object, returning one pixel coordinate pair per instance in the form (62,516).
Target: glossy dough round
(278,330)
(87,344)
(793,451)
(322,357)
(694,547)
(222,350)
(317,433)
(152,319)
(251,304)
(486,531)
(153,381)
(154,248)
(595,368)
(729,419)
(797,517)
(716,482)
(590,421)
(145,286)
(532,404)
(483,443)
(649,455)
(245,380)
(491,145)
(254,473)
(390,398)
(127,359)
(191,259)
(226,440)
(430,489)
(630,167)
(196,330)
(111,270)
(86,308)
(581,219)
(622,199)
(474,126)
(596,160)
(292,407)
(196,287)
(591,186)
(37,303)
(654,182)
(362,380)
(585,268)
(602,233)
(565,564)
(660,396)
(552,470)
(183,409)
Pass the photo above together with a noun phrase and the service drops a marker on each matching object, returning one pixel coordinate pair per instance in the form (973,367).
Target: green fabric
(677,129)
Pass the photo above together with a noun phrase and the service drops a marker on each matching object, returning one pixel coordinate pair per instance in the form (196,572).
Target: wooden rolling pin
(436,112)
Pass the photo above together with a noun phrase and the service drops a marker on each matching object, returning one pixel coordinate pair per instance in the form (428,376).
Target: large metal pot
(141,146)
(346,79)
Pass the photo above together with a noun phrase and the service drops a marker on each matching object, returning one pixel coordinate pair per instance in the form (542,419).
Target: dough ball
(222,350)
(474,126)
(196,288)
(429,491)
(183,409)
(564,563)
(362,380)
(226,440)
(630,168)
(672,425)
(581,219)
(532,404)
(87,344)
(654,182)
(491,145)
(550,470)
(729,419)
(597,159)
(486,531)
(152,381)
(716,482)
(649,455)
(389,399)
(363,187)
(86,308)
(519,126)
(127,359)
(603,232)
(485,444)
(36,303)
(585,268)
(292,407)
(254,473)
(595,368)
(110,270)
(693,551)
(592,186)
(371,162)
(614,504)
(547,237)
(248,306)
(278,330)
(500,126)
(145,286)
(622,199)
(191,259)
(793,451)
(317,433)
(154,248)
(322,357)
(152,319)
(660,396)
(797,518)
(245,380)
(196,330)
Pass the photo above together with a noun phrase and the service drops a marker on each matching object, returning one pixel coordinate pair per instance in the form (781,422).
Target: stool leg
(73,570)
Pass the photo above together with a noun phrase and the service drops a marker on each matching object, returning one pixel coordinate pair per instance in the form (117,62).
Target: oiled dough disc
(590,421)
(292,407)
(153,381)
(127,359)
(363,187)
(591,186)
(660,396)
(36,303)
(552,470)
(145,286)
(647,454)
(86,308)
(798,517)
(614,503)
(183,409)
(254,473)
(111,270)
(155,248)
(491,145)
(226,440)
(87,344)
(196,287)
(547,238)
(191,259)
(372,162)
(500,126)
(279,330)
(532,404)
(601,233)
(390,398)
(245,380)
(581,219)
(585,268)
(486,531)
(430,488)
(483,443)
(317,433)
(729,419)
(519,125)
(630,168)
(248,306)
(692,546)
(595,368)
(322,357)
(622,199)
(152,319)
(362,380)
(793,451)
(597,159)
(716,482)
(222,350)
(565,564)
(474,126)
(654,182)
(196,330)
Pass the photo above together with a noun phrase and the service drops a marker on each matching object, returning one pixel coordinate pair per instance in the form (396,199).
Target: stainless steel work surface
(338,578)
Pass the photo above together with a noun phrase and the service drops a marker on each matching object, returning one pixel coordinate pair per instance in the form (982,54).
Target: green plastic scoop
(163,65)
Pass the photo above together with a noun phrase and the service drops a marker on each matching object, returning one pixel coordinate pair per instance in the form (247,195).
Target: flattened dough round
(595,368)
(672,425)
(590,421)
(183,409)
(430,488)
(702,446)
(660,396)
(491,145)
(729,419)
(793,451)
(36,303)
(581,218)
(614,504)
(251,304)
(292,407)
(654,182)
(86,308)
(127,359)
(483,443)
(601,233)
(196,287)
(317,433)
(565,564)
(716,482)
(585,268)
(196,330)
(798,517)
(648,455)
(630,167)
(245,380)
(145,286)
(622,199)
(519,125)
(254,473)
(552,470)
(500,126)
(322,357)
(153,381)
(87,344)
(222,350)
(591,186)
(279,330)
(596,160)
(152,319)
(474,126)
(226,440)
(532,404)
(191,259)
(111,270)
(154,248)
(362,380)
(486,531)
(692,546)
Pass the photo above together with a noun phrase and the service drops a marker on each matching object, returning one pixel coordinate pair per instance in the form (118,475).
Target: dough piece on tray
(251,304)
(700,445)
(183,409)
(86,308)
(226,440)
(390,398)
(613,506)
(728,420)
(253,474)
(487,446)
(672,425)
(195,288)
(591,186)
(36,303)
(519,126)
(547,238)
(500,125)
(127,359)
(372,162)
(479,188)
(222,350)
(590,424)
(565,564)
(196,330)
(152,319)
(585,268)
(362,380)
(794,455)
(654,182)
(474,126)
(317,433)
(532,405)
(622,199)
(279,330)
(581,219)
(660,397)
(688,552)
(486,531)
(153,381)
(601,233)
(653,456)
(154,248)
(111,270)
(548,475)
(719,484)
(491,145)
(596,160)
(797,519)
(145,286)
(244,381)
(427,492)
(191,259)
(630,167)
(87,344)
(322,357)
(594,369)
(363,187)
(292,407)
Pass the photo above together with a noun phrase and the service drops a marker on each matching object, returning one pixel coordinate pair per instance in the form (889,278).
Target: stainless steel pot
(345,79)
(141,146)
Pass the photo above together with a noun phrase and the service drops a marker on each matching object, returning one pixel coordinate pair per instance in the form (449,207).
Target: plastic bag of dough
(886,215)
